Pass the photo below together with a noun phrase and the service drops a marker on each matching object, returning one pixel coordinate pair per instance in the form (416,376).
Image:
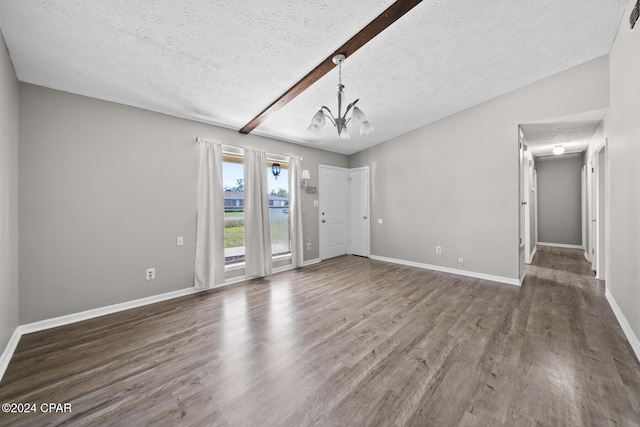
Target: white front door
(359,212)
(334,211)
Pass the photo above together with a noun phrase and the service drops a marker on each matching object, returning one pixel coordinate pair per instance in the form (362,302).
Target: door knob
(364,217)
(323,221)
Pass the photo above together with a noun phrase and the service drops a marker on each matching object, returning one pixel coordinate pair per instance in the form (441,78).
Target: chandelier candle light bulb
(340,122)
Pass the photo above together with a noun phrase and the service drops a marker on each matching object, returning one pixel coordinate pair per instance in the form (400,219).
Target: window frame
(231,151)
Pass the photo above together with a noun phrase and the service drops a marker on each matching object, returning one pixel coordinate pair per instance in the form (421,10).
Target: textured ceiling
(573,132)
(223,61)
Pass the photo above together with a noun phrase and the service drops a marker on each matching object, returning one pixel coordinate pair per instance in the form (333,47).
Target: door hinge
(593,170)
(593,251)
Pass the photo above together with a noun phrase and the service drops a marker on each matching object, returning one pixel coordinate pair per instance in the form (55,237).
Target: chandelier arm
(329,116)
(350,106)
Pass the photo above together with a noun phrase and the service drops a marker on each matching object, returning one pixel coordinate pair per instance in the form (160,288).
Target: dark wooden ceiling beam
(375,27)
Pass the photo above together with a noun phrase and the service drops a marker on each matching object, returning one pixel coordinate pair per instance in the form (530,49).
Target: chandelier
(340,122)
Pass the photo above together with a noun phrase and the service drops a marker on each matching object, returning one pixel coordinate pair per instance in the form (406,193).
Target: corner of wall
(622,128)
(9,129)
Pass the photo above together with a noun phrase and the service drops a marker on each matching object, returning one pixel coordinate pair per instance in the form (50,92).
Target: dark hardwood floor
(347,342)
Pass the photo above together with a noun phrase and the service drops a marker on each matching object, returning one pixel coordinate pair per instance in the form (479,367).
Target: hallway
(576,342)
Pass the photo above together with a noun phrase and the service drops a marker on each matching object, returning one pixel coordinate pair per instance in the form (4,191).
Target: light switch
(315,203)
(379,220)
(179,241)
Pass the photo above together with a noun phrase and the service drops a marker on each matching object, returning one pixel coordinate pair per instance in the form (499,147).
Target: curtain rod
(198,139)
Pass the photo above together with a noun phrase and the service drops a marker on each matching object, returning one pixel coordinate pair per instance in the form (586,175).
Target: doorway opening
(599,215)
(562,182)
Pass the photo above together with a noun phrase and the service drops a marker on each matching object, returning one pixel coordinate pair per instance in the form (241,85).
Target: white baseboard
(626,328)
(8,351)
(83,315)
(102,311)
(535,249)
(311,262)
(110,309)
(281,269)
(473,274)
(560,245)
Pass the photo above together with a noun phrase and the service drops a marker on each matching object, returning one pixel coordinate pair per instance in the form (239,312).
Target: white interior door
(583,199)
(334,211)
(359,212)
(600,215)
(527,201)
(521,205)
(535,206)
(591,214)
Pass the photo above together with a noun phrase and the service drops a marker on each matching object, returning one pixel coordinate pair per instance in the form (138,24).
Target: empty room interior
(221,213)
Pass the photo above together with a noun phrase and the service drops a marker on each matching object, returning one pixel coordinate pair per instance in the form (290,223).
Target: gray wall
(622,126)
(8,197)
(560,200)
(104,191)
(454,183)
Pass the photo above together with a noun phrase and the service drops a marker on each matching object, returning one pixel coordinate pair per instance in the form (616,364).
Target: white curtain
(210,224)
(295,213)
(257,232)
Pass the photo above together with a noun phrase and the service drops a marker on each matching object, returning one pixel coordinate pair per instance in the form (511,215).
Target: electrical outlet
(151,273)
(308,246)
(179,241)
(460,261)
(438,250)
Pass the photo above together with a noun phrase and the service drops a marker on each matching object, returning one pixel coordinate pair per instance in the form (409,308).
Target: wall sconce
(307,176)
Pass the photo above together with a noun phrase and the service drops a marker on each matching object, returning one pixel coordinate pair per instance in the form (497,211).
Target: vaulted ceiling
(224,61)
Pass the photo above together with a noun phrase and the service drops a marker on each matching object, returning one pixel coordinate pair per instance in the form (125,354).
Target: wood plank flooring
(347,342)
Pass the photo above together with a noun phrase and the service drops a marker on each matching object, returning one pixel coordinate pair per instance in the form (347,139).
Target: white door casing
(535,211)
(597,228)
(527,210)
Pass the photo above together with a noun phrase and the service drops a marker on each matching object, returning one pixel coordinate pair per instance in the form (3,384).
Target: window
(279,208)
(278,189)
(233,184)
